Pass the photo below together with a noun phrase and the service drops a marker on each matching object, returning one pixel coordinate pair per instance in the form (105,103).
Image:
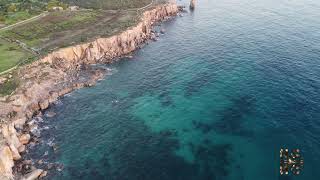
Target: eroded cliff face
(105,50)
(6,162)
(42,82)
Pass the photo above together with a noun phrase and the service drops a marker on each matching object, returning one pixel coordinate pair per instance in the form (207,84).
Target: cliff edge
(58,73)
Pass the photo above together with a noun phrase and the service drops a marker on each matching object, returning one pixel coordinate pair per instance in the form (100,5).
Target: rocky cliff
(60,72)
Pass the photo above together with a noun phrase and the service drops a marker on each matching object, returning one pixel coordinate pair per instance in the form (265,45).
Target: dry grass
(109,4)
(60,29)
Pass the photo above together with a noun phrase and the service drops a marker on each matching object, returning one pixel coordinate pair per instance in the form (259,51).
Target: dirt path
(142,8)
(71,34)
(25,21)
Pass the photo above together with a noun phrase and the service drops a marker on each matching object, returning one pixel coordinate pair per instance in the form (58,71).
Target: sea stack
(192,4)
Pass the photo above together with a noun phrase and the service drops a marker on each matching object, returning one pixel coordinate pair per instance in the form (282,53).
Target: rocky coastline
(55,75)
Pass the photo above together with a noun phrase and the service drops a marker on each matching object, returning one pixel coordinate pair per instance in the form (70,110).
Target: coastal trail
(25,21)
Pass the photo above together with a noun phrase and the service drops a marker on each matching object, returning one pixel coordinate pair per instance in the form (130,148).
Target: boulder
(21,148)
(40,162)
(162,31)
(19,123)
(43,174)
(50,166)
(24,138)
(33,175)
(15,152)
(44,104)
(10,135)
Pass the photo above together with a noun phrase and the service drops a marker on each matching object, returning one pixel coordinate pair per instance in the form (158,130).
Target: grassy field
(15,17)
(11,54)
(12,11)
(61,29)
(9,86)
(38,33)
(109,4)
(66,28)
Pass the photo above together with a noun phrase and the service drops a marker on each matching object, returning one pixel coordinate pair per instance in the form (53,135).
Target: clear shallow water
(214,98)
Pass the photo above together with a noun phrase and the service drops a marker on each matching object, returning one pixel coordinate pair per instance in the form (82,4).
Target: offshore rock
(192,4)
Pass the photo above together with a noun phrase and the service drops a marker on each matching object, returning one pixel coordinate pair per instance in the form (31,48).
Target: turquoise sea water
(215,98)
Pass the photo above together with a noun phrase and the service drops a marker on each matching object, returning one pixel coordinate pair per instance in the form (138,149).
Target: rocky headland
(58,73)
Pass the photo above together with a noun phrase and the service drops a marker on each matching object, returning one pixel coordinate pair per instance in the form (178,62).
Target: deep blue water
(215,98)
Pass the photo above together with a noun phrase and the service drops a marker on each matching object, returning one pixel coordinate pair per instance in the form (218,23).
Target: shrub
(12,8)
(56,3)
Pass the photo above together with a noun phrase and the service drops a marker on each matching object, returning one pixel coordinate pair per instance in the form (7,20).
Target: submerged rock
(35,131)
(59,167)
(50,114)
(26,166)
(55,147)
(50,166)
(40,161)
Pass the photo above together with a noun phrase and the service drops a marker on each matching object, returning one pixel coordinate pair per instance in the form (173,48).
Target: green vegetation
(60,29)
(109,4)
(11,54)
(55,3)
(8,87)
(41,32)
(57,29)
(12,11)
(12,18)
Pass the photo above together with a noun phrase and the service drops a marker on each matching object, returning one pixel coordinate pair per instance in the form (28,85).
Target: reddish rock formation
(59,73)
(24,138)
(192,4)
(6,162)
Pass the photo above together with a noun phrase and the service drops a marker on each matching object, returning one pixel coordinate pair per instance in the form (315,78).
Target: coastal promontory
(54,67)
